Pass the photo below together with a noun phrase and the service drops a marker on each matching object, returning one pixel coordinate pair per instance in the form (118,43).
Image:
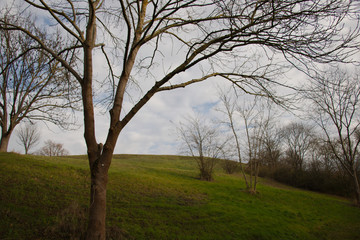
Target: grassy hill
(159,197)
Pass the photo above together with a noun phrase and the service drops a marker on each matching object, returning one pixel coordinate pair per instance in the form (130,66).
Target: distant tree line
(52,149)
(305,160)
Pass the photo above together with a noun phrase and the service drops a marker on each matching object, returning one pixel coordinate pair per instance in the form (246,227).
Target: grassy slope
(158,197)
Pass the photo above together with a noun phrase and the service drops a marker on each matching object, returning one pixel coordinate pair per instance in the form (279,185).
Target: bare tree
(53,149)
(28,136)
(32,86)
(251,120)
(203,142)
(217,41)
(255,120)
(298,139)
(335,95)
(229,109)
(323,165)
(271,144)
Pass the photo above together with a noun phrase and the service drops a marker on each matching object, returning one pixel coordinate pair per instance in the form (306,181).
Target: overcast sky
(152,130)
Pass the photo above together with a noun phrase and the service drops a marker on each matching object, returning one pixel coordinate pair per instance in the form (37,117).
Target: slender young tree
(229,109)
(28,136)
(223,39)
(253,122)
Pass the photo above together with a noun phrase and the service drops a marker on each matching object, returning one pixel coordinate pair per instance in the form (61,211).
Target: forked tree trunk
(98,169)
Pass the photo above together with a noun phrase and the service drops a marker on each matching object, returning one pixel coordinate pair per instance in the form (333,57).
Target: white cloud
(152,130)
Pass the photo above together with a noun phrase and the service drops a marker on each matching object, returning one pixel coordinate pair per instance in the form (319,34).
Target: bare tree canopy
(53,149)
(202,140)
(157,43)
(32,86)
(335,95)
(298,139)
(251,123)
(29,136)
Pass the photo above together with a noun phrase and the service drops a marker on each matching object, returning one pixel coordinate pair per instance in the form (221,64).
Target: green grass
(159,197)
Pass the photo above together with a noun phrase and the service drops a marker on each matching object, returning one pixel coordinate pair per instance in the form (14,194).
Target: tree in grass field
(203,141)
(251,124)
(157,43)
(28,136)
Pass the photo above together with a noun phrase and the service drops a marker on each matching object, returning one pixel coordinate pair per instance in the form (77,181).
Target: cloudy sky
(152,130)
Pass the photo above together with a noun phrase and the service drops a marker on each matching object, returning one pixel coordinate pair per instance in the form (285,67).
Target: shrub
(230,166)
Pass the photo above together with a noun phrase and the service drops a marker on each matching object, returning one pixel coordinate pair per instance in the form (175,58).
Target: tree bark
(357,186)
(97,212)
(99,163)
(4,142)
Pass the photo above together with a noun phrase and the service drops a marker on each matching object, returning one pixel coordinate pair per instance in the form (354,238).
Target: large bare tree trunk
(96,224)
(4,142)
(99,163)
(97,212)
